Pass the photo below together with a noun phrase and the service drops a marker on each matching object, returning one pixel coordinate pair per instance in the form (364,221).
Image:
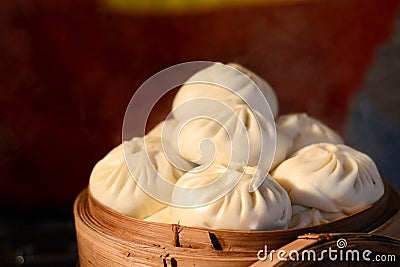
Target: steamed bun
(331,178)
(282,148)
(161,216)
(227,202)
(265,88)
(233,135)
(297,130)
(164,127)
(306,217)
(214,125)
(206,84)
(112,184)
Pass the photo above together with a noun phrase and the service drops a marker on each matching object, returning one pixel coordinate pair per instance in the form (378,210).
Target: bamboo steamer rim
(99,246)
(162,234)
(108,238)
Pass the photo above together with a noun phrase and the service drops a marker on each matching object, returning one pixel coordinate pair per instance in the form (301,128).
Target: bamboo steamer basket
(108,238)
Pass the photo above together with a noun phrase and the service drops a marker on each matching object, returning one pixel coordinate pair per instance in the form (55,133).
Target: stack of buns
(226,159)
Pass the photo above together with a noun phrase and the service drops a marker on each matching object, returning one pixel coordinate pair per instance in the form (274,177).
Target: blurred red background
(68,70)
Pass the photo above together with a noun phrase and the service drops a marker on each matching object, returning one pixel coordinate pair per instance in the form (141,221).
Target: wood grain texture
(108,238)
